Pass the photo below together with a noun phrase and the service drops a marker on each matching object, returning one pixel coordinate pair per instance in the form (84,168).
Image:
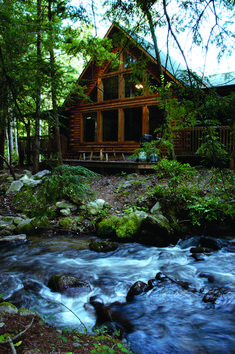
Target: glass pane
(133,85)
(93,94)
(156,119)
(132,124)
(90,127)
(110,88)
(128,60)
(153,84)
(110,125)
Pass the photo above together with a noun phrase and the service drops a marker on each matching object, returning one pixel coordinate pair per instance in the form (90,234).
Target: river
(166,319)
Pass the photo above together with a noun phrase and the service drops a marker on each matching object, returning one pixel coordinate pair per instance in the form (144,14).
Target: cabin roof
(169,63)
(222,79)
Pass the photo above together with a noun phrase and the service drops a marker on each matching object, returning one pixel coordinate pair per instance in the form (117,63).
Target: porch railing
(188,140)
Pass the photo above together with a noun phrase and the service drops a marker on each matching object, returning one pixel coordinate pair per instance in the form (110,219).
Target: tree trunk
(38,97)
(53,87)
(167,118)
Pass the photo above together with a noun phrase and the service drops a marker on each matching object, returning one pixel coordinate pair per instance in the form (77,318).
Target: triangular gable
(171,67)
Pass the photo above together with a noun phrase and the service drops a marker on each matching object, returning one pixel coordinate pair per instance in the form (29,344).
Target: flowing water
(166,319)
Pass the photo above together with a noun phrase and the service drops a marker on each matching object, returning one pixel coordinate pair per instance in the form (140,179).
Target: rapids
(166,319)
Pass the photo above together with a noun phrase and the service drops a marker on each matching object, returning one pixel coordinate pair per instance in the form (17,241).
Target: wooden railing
(188,140)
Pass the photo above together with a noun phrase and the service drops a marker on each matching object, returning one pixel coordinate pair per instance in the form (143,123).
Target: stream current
(166,319)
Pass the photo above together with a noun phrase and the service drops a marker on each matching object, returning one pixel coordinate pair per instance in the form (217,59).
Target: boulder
(63,282)
(66,205)
(95,207)
(137,288)
(107,227)
(30,181)
(42,174)
(8,307)
(14,187)
(103,246)
(31,225)
(13,239)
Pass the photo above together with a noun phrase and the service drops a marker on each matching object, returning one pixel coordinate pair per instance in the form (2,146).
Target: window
(110,88)
(89,127)
(133,85)
(128,60)
(153,84)
(132,124)
(93,94)
(110,125)
(156,118)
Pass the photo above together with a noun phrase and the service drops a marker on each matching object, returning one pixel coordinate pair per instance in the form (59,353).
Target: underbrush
(205,195)
(65,182)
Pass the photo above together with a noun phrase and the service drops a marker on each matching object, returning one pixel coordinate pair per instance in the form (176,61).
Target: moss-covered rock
(29,226)
(72,223)
(129,226)
(107,227)
(103,246)
(8,307)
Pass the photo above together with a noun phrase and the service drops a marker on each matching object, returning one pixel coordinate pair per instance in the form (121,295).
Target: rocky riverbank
(123,208)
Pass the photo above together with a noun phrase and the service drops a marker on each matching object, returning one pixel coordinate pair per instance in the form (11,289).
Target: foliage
(175,171)
(212,149)
(104,349)
(148,149)
(64,182)
(203,196)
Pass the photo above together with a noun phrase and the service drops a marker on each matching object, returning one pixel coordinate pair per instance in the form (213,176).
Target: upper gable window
(110,88)
(133,85)
(129,60)
(153,85)
(114,66)
(93,94)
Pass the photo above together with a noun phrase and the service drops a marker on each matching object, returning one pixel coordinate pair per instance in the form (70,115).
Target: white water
(166,319)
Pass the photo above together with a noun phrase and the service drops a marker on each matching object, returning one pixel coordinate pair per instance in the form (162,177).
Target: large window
(129,60)
(132,124)
(156,119)
(110,88)
(110,125)
(89,127)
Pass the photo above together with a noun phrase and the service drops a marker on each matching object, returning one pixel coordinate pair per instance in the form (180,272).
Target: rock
(95,207)
(62,282)
(42,174)
(103,246)
(8,307)
(200,250)
(65,212)
(156,231)
(14,187)
(156,209)
(213,294)
(29,181)
(136,289)
(71,223)
(25,312)
(13,239)
(114,313)
(129,226)
(66,205)
(107,227)
(31,225)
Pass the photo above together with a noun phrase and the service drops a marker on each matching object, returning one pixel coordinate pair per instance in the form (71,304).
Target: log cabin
(123,100)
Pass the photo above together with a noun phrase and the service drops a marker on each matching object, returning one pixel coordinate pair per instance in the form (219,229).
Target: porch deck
(112,166)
